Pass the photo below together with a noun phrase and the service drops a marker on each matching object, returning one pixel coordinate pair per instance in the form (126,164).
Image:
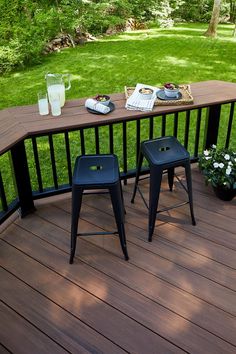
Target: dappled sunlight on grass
(150,56)
(176,61)
(181,31)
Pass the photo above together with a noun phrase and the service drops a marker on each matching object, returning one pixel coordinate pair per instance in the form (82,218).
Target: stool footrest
(164,209)
(96,233)
(183,186)
(95,192)
(141,194)
(172,207)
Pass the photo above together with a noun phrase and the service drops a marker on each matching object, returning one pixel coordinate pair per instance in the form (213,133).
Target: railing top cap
(19,122)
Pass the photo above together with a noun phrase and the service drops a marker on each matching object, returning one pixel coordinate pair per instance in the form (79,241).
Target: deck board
(174,295)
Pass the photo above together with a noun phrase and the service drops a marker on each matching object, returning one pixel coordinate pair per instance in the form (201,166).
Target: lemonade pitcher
(56,86)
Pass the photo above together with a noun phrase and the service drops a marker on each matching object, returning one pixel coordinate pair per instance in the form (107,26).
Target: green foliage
(97,16)
(27,25)
(219,167)
(10,56)
(201,10)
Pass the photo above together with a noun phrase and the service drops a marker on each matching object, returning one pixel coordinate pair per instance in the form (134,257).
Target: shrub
(10,56)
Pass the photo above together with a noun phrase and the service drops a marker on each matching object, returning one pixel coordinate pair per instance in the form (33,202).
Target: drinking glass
(43,103)
(56,106)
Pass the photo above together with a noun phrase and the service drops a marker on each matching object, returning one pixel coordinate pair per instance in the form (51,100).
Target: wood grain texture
(19,336)
(20,122)
(176,294)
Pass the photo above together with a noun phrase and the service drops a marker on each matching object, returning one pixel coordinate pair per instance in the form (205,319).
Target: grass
(181,54)
(153,56)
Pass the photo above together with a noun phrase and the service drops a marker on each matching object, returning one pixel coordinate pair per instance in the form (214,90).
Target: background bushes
(26,26)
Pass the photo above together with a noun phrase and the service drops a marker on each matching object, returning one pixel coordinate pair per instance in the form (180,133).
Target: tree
(232,11)
(211,31)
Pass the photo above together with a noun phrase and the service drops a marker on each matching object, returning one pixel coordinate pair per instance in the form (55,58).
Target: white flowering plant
(219,167)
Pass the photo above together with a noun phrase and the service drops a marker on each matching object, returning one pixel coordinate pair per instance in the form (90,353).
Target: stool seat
(163,153)
(97,172)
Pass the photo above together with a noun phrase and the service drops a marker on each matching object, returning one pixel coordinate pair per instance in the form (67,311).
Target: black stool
(164,153)
(97,172)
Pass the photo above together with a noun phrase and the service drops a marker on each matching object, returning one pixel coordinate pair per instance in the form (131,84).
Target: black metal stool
(164,153)
(97,172)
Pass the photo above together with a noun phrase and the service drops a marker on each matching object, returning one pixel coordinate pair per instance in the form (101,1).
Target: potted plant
(219,168)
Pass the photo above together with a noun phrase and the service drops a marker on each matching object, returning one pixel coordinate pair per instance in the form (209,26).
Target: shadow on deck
(174,295)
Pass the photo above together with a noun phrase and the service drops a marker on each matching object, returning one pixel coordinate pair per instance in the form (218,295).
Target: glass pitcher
(56,86)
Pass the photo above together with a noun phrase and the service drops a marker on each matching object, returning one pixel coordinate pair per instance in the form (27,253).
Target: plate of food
(110,105)
(162,96)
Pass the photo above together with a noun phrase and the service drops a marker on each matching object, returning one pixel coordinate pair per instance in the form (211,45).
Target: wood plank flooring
(175,295)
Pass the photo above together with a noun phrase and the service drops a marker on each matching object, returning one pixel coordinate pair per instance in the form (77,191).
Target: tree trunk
(211,31)
(234,32)
(232,11)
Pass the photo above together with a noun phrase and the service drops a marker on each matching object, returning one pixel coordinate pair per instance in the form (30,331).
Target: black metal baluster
(197,135)
(3,195)
(68,157)
(212,126)
(82,144)
(97,147)
(53,161)
(186,133)
(137,140)
(111,139)
(124,126)
(231,115)
(176,119)
(37,164)
(151,127)
(22,178)
(163,125)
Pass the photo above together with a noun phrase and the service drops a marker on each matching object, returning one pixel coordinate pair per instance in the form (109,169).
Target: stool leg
(154,192)
(140,161)
(171,172)
(190,193)
(118,208)
(77,194)
(122,196)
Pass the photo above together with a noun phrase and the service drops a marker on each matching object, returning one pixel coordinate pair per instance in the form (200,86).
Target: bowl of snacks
(171,89)
(104,99)
(146,93)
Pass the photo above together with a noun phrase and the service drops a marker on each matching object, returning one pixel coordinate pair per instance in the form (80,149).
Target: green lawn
(181,54)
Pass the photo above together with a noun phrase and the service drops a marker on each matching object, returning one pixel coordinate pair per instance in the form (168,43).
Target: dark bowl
(104,99)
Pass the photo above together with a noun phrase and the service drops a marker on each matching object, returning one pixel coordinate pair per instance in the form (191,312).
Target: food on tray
(171,86)
(104,99)
(146,91)
(171,89)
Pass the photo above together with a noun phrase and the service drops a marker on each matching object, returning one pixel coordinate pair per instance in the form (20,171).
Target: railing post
(22,178)
(212,126)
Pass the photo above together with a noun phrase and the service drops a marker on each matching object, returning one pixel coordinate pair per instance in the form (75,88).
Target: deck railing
(42,165)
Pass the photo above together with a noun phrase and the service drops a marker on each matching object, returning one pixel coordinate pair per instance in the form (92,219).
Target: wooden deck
(174,295)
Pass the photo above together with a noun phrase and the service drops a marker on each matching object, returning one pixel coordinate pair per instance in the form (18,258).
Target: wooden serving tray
(186,98)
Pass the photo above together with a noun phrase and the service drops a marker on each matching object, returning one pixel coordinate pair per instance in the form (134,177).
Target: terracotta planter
(224,194)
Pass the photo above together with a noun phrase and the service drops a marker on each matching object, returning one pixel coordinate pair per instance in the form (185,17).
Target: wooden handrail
(17,123)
